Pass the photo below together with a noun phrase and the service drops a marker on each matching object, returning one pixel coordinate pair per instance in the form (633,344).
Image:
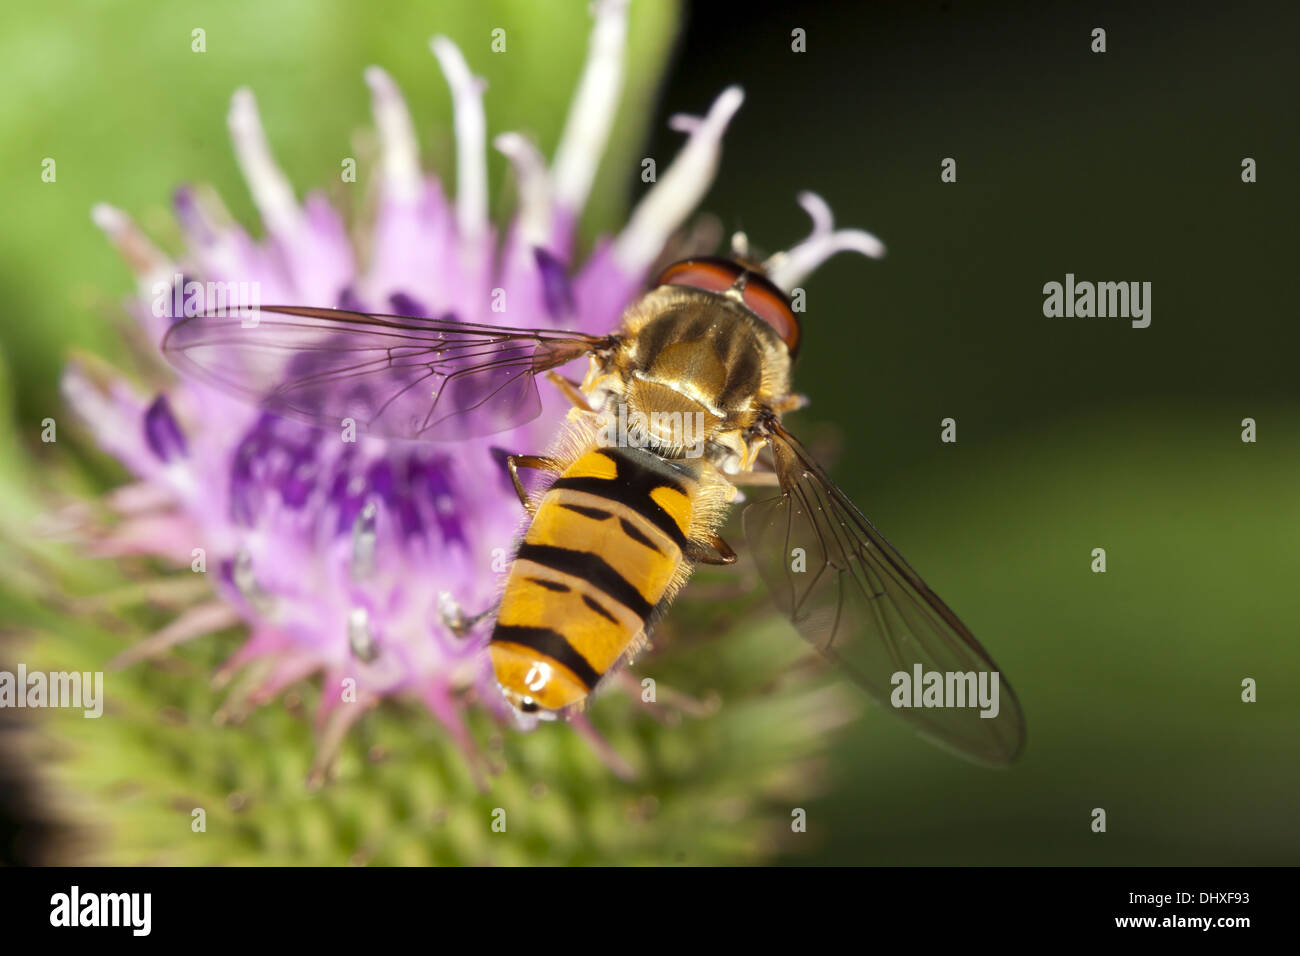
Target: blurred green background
(1073,434)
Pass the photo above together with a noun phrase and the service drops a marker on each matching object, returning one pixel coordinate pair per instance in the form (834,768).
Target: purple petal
(403,304)
(162,432)
(557,292)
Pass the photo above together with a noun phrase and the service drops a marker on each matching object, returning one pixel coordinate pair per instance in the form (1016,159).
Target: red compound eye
(761,297)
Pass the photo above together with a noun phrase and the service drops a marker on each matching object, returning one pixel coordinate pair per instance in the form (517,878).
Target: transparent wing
(858,602)
(394,376)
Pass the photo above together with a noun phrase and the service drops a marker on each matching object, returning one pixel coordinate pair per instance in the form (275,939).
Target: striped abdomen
(600,554)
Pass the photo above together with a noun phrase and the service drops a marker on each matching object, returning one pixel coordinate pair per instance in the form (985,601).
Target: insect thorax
(690,377)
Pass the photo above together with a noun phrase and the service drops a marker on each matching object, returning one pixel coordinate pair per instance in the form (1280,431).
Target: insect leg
(790,403)
(756,479)
(454,617)
(721,552)
(515,462)
(570,390)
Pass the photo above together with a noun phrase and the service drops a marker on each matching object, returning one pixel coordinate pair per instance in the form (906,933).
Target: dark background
(1073,433)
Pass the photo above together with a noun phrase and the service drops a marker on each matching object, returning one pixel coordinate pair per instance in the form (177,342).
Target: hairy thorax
(696,372)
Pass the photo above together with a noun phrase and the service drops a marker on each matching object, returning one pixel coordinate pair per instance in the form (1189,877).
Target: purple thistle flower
(369,563)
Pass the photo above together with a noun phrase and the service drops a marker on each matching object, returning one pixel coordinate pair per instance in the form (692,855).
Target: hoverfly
(621,525)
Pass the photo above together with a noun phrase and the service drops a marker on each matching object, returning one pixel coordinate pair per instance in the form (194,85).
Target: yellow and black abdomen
(602,551)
